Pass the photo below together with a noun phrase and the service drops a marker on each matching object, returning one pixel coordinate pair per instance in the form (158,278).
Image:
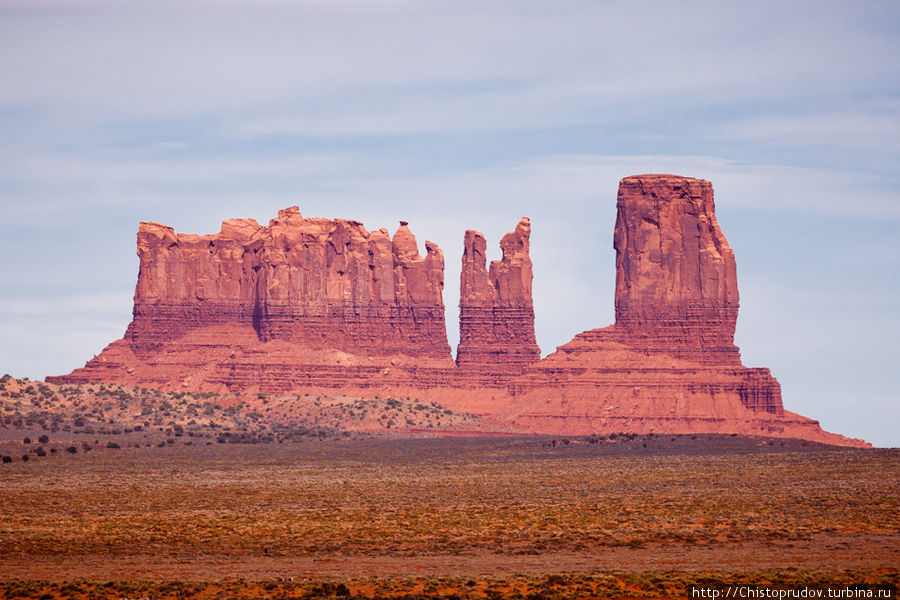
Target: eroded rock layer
(496,313)
(317,282)
(316,305)
(676,281)
(676,309)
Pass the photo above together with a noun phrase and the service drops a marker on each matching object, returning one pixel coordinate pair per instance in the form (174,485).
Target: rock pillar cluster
(496,313)
(305,304)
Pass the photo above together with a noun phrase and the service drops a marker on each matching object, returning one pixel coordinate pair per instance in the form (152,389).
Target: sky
(458,115)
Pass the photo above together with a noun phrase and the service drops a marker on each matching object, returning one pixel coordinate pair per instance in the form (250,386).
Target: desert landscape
(449,300)
(325,444)
(166,514)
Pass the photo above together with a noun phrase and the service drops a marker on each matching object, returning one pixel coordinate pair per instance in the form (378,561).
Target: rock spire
(496,313)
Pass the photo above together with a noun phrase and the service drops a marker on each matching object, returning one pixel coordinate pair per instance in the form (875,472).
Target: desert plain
(283,418)
(104,508)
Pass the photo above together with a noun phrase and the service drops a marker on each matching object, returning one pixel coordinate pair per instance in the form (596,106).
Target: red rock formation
(671,351)
(496,314)
(186,281)
(676,282)
(310,305)
(318,282)
(332,284)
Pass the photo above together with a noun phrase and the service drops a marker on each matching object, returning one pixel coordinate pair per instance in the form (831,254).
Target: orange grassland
(643,517)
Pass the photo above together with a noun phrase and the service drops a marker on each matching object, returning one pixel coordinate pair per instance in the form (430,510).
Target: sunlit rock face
(319,282)
(310,305)
(496,313)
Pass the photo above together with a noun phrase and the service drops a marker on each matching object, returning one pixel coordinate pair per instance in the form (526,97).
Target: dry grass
(151,506)
(395,497)
(104,410)
(415,501)
(546,587)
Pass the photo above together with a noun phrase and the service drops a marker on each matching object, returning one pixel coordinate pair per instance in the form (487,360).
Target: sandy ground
(864,551)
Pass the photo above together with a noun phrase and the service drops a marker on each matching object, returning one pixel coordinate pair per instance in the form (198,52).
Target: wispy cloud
(67,304)
(569,62)
(359,180)
(869,127)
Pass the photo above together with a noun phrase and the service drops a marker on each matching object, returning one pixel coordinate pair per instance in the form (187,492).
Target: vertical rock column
(676,282)
(496,313)
(418,310)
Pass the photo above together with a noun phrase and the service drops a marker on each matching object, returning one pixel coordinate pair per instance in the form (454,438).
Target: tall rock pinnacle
(496,313)
(676,282)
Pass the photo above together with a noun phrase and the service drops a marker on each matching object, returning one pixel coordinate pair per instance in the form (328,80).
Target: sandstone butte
(310,305)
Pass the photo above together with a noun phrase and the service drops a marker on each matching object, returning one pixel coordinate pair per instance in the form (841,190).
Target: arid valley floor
(183,511)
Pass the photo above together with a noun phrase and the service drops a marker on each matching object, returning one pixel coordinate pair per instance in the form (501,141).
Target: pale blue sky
(456,115)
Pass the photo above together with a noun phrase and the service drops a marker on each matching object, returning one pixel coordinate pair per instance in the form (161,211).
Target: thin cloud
(873,125)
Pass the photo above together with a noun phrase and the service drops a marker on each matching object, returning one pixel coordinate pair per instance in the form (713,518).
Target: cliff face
(671,350)
(317,305)
(676,281)
(318,282)
(186,281)
(496,313)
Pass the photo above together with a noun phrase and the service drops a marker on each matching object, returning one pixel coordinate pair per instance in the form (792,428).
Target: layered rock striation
(317,282)
(318,305)
(676,280)
(496,312)
(676,307)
